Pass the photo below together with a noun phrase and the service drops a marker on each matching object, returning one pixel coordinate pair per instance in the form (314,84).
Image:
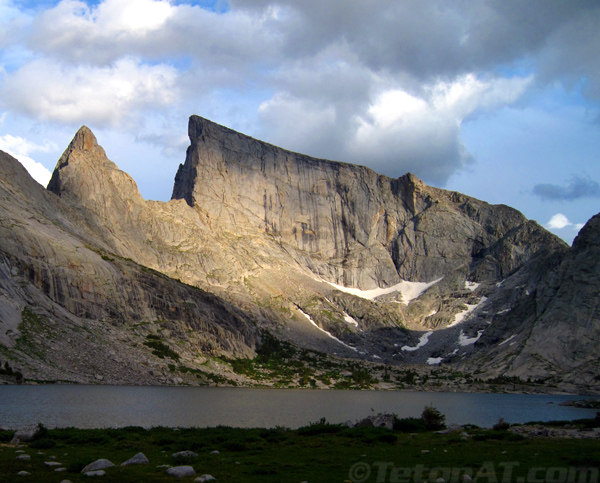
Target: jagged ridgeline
(97,283)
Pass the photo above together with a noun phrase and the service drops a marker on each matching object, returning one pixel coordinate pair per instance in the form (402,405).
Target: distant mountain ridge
(274,240)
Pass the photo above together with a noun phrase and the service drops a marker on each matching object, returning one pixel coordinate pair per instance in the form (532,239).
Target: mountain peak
(84,139)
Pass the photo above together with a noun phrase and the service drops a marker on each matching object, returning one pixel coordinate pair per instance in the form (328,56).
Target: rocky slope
(68,310)
(328,255)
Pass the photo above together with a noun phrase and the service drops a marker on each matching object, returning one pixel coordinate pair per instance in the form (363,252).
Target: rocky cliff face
(328,255)
(556,326)
(346,223)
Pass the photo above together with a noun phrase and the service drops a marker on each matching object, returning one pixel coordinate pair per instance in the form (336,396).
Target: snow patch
(350,320)
(434,360)
(510,338)
(422,341)
(464,340)
(472,286)
(324,331)
(461,316)
(408,290)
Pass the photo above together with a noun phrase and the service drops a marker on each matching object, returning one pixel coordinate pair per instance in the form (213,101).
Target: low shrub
(501,425)
(319,428)
(409,425)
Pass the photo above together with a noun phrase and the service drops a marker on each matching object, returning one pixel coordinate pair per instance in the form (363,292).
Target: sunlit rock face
(344,222)
(325,254)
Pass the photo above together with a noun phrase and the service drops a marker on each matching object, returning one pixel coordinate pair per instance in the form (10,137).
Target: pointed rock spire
(84,139)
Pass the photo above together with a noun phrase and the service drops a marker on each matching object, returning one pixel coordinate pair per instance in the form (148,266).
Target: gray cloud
(440,37)
(318,69)
(578,187)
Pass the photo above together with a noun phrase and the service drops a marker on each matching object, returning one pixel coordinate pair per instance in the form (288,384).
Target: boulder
(97,465)
(185,454)
(181,471)
(26,434)
(204,478)
(95,473)
(138,459)
(379,421)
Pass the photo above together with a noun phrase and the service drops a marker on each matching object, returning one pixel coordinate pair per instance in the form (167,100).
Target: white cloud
(111,18)
(420,133)
(19,148)
(152,29)
(560,221)
(333,108)
(37,171)
(16,144)
(51,91)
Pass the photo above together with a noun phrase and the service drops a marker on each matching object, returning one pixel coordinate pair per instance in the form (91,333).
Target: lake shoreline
(314,452)
(467,389)
(87,406)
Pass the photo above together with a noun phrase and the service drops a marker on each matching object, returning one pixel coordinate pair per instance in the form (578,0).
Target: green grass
(160,349)
(320,452)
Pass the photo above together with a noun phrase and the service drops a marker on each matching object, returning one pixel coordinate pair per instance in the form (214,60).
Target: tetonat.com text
(507,472)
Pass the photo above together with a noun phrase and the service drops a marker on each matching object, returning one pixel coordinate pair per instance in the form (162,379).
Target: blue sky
(498,99)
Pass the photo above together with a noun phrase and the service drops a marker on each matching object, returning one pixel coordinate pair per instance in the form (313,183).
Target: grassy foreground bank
(320,452)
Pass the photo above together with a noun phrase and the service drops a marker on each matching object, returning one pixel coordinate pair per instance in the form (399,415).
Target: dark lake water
(118,406)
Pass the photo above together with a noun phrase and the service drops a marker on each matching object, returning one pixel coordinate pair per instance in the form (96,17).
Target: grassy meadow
(319,452)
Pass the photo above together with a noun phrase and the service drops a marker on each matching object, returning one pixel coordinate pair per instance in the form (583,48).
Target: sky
(497,99)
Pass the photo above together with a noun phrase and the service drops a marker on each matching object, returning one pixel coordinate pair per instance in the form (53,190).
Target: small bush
(41,433)
(409,425)
(160,349)
(501,425)
(319,428)
(433,419)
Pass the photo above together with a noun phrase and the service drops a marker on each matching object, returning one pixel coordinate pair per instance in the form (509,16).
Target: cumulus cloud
(152,29)
(560,221)
(441,38)
(578,187)
(52,91)
(377,82)
(395,131)
(20,148)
